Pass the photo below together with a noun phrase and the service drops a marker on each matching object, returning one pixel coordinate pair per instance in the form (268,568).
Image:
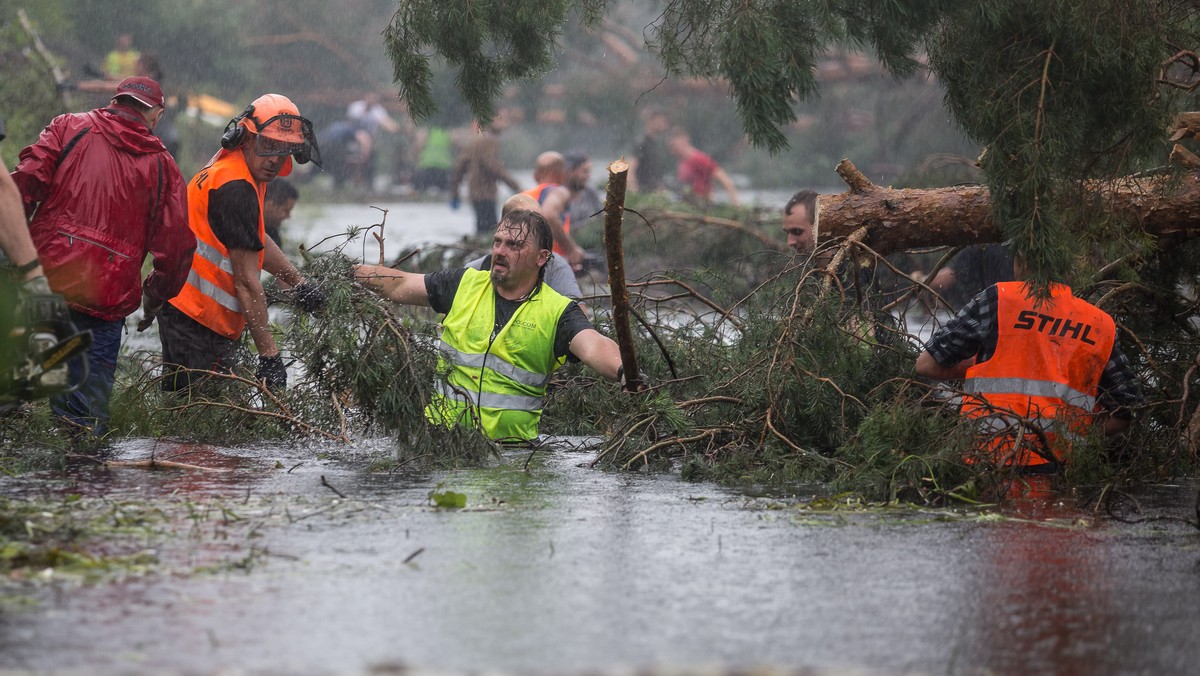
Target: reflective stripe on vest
(1032,388)
(213,255)
(214,292)
(512,402)
(496,364)
(496,382)
(1045,370)
(210,295)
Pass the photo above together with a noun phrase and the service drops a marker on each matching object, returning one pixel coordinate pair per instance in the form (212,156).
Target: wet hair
(281,190)
(531,224)
(806,197)
(575,158)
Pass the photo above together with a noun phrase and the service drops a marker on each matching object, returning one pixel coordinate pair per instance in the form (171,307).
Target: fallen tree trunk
(1167,207)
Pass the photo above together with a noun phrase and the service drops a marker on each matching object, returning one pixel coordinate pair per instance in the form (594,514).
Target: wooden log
(614,216)
(1167,207)
(1183,157)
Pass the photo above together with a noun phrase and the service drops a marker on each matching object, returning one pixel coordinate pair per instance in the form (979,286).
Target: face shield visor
(288,134)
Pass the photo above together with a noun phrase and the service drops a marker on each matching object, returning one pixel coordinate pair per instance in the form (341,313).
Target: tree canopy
(1058,92)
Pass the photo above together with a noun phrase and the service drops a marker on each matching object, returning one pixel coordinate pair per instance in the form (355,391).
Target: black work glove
(309,296)
(46,310)
(272,373)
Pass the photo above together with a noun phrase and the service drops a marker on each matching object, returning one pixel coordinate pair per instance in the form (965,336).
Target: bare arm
(403,287)
(928,367)
(597,351)
(723,178)
(276,263)
(14,233)
(553,208)
(250,294)
(944,280)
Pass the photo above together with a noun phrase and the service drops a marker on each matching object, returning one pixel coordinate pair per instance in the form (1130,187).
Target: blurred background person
(345,147)
(435,159)
(480,164)
(278,203)
(585,200)
(370,115)
(149,66)
(650,156)
(697,171)
(121,62)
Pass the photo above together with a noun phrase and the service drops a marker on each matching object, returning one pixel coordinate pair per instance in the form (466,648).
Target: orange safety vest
(1045,372)
(209,296)
(540,193)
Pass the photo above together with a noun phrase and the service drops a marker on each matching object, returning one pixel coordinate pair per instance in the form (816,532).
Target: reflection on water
(563,569)
(1044,601)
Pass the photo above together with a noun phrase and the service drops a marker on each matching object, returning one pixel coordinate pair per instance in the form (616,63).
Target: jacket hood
(126,130)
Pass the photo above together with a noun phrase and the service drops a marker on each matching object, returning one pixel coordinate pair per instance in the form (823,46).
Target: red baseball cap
(143,89)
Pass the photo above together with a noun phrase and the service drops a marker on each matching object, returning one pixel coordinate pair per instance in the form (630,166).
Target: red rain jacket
(103,192)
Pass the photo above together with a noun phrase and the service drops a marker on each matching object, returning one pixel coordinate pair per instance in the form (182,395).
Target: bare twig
(330,486)
(721,222)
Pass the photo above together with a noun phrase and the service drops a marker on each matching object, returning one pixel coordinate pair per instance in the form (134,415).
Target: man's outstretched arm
(726,184)
(402,287)
(598,351)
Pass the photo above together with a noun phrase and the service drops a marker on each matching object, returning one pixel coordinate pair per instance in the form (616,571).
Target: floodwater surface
(558,568)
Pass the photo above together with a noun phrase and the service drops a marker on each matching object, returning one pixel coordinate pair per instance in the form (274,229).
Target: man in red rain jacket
(103,192)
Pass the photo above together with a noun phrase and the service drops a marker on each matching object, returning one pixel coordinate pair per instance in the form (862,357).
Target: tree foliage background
(600,75)
(1058,91)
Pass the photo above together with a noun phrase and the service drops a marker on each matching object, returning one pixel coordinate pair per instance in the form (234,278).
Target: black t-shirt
(978,267)
(233,215)
(443,284)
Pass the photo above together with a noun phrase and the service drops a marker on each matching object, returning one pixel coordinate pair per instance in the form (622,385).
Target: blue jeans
(88,405)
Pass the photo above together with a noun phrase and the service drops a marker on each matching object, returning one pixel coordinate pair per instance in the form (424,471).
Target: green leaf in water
(448,499)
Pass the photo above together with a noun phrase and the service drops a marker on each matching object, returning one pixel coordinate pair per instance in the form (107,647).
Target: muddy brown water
(564,569)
